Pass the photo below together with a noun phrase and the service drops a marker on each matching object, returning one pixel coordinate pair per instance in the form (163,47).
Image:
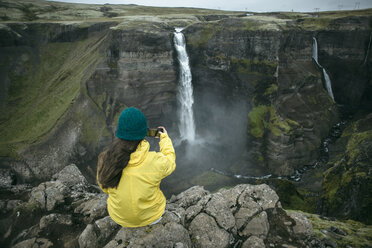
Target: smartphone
(153,132)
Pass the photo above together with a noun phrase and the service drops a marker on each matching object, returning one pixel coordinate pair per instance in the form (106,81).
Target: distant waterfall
(328,84)
(368,48)
(327,80)
(315,51)
(185,93)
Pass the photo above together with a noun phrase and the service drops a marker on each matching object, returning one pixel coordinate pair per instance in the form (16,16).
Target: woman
(130,174)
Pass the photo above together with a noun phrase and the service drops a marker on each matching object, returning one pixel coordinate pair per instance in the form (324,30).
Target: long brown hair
(112,162)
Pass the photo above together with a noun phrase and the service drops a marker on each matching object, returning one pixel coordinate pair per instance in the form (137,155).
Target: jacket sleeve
(167,150)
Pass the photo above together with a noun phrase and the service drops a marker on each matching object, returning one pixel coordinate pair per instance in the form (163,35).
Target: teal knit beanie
(132,125)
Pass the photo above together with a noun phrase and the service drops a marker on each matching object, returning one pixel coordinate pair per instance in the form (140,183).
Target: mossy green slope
(38,97)
(347,184)
(357,234)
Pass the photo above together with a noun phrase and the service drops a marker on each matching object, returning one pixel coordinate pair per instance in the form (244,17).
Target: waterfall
(327,80)
(315,51)
(368,48)
(185,93)
(328,84)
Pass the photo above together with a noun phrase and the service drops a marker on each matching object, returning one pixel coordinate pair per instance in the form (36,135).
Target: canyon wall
(271,67)
(66,84)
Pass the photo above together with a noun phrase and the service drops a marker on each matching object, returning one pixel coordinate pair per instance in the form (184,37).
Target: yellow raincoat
(137,200)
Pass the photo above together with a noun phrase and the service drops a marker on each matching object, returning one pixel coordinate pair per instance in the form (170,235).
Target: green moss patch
(257,120)
(265,117)
(358,234)
(353,146)
(253,66)
(271,90)
(202,36)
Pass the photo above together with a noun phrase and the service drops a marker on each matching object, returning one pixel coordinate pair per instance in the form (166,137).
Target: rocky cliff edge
(69,212)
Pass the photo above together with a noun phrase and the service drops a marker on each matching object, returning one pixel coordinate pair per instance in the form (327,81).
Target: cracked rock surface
(68,212)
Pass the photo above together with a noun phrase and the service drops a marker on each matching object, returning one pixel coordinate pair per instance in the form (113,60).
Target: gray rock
(176,216)
(262,194)
(258,226)
(205,232)
(94,208)
(168,235)
(34,243)
(204,200)
(97,233)
(12,204)
(49,194)
(288,246)
(231,195)
(7,178)
(303,225)
(27,234)
(244,214)
(337,231)
(218,208)
(71,177)
(190,196)
(253,242)
(176,210)
(193,211)
(3,205)
(123,236)
(88,238)
(106,227)
(55,219)
(330,243)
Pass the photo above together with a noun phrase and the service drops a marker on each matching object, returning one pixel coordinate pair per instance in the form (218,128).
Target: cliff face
(271,67)
(348,181)
(65,86)
(43,74)
(138,71)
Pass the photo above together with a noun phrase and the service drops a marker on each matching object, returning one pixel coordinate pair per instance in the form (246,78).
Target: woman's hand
(161,130)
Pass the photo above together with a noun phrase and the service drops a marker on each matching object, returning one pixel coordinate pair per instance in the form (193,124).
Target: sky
(246,5)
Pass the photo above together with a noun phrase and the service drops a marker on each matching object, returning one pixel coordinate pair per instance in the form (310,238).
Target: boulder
(218,208)
(93,208)
(262,194)
(253,242)
(88,238)
(205,232)
(55,219)
(71,177)
(190,196)
(303,226)
(34,243)
(169,235)
(96,234)
(7,178)
(49,194)
(258,226)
